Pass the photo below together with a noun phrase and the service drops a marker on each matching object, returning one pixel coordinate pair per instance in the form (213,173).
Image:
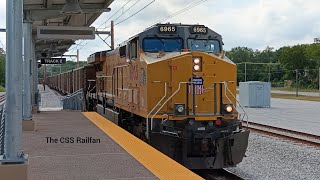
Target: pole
(13,114)
(296,82)
(27,110)
(112,35)
(245,72)
(44,76)
(269,74)
(77,58)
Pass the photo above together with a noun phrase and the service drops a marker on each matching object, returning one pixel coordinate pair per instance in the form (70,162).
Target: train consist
(172,86)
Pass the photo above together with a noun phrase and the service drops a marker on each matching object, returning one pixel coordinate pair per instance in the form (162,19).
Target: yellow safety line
(159,164)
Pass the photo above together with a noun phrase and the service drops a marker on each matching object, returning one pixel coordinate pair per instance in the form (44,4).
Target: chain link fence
(279,77)
(2,126)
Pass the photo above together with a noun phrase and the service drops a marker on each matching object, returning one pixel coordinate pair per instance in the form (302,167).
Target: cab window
(134,49)
(162,44)
(204,45)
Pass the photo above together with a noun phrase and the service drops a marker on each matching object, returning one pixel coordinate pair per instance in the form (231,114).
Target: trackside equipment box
(255,94)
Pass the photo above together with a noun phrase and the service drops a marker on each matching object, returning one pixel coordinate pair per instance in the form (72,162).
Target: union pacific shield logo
(198,85)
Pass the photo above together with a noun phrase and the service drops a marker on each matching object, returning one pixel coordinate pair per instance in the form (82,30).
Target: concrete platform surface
(50,99)
(62,160)
(297,115)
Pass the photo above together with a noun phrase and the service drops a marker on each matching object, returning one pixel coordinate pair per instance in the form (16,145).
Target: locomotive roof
(182,31)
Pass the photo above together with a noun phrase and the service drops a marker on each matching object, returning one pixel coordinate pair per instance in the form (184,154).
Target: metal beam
(27,109)
(84,6)
(13,115)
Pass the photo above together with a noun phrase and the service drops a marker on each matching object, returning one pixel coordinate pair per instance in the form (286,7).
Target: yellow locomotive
(172,86)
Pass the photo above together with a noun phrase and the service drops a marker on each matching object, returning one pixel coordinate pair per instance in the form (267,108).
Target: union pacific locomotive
(172,86)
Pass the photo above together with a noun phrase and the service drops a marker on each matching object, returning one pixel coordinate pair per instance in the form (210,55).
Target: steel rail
(298,136)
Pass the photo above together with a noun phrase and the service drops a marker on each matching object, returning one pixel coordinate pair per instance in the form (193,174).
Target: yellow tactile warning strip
(159,164)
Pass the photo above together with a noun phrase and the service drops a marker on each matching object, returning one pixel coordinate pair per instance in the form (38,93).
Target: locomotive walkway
(75,145)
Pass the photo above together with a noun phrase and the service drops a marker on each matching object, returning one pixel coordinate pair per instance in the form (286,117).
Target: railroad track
(296,136)
(217,174)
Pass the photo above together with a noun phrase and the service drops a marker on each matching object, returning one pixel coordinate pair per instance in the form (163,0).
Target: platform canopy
(52,13)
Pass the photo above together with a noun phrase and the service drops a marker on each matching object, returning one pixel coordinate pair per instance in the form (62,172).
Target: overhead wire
(113,14)
(3,47)
(179,12)
(127,10)
(76,47)
(144,7)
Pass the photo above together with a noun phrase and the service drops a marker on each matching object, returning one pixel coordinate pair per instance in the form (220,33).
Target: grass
(2,89)
(293,96)
(294,89)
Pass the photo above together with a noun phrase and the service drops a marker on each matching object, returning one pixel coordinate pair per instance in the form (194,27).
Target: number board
(199,30)
(167,29)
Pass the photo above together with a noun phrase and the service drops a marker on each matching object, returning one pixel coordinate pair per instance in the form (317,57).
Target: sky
(252,23)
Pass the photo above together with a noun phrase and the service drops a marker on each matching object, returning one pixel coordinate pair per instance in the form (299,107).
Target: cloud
(252,23)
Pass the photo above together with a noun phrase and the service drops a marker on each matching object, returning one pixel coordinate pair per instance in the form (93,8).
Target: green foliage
(55,69)
(2,89)
(301,59)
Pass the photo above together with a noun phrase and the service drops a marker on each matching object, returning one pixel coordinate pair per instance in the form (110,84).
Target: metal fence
(74,101)
(2,126)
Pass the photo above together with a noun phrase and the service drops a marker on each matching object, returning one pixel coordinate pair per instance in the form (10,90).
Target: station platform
(118,155)
(50,99)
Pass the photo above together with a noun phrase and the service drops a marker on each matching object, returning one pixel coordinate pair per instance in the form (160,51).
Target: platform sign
(65,32)
(53,60)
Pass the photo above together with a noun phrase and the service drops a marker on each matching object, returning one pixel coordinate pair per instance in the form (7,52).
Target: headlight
(229,108)
(179,109)
(196,67)
(197,64)
(196,60)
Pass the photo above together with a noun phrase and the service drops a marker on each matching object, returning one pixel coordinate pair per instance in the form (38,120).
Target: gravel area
(50,100)
(1,93)
(296,115)
(277,159)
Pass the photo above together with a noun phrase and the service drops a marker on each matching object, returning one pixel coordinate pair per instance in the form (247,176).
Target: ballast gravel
(278,159)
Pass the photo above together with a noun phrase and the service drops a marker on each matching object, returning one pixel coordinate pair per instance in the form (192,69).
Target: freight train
(172,86)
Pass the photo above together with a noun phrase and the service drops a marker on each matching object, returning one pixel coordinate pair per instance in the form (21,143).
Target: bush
(2,89)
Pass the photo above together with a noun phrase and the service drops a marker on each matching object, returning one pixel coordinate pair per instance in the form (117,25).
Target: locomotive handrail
(165,95)
(227,89)
(168,100)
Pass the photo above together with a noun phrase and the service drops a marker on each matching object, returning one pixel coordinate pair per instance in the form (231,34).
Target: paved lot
(291,114)
(68,161)
(50,100)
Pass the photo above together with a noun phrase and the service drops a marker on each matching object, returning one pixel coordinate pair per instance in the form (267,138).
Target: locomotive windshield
(204,45)
(162,44)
